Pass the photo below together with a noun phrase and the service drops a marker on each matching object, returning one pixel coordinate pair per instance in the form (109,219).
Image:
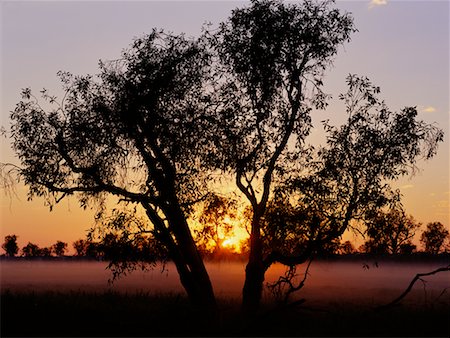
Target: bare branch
(410,286)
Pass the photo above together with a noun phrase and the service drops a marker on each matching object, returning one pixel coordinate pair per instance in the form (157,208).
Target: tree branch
(410,286)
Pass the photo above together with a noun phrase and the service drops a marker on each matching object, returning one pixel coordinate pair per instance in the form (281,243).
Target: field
(334,307)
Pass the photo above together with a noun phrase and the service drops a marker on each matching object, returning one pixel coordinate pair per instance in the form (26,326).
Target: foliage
(433,237)
(349,180)
(59,248)
(390,232)
(31,250)
(134,132)
(271,58)
(217,221)
(10,245)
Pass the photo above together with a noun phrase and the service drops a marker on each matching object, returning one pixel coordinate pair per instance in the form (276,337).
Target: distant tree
(46,252)
(216,215)
(407,248)
(347,248)
(80,247)
(59,248)
(434,237)
(390,232)
(31,250)
(10,245)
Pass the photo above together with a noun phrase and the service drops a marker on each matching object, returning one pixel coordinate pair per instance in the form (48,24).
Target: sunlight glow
(233,244)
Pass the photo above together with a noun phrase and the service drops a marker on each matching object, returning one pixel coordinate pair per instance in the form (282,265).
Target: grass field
(72,313)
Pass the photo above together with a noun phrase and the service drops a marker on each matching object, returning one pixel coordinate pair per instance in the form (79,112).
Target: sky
(402,46)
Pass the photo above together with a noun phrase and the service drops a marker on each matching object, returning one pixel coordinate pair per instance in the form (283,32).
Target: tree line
(173,117)
(392,236)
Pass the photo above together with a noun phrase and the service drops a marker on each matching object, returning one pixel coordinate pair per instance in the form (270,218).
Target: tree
(347,181)
(80,247)
(59,248)
(272,58)
(390,232)
(215,218)
(433,237)
(31,250)
(133,132)
(10,245)
(347,248)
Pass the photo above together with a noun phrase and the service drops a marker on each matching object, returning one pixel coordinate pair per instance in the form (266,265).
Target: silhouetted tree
(272,57)
(390,232)
(45,252)
(80,247)
(10,245)
(347,180)
(215,218)
(433,237)
(135,132)
(31,250)
(347,248)
(59,248)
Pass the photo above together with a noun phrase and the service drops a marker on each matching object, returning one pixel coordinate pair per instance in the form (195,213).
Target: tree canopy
(134,131)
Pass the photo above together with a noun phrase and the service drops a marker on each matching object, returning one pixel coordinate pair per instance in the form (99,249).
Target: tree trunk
(254,271)
(190,266)
(183,251)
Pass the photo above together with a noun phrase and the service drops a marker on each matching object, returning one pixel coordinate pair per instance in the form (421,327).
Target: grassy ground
(115,314)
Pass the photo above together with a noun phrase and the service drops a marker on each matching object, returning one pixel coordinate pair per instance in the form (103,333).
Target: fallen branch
(409,288)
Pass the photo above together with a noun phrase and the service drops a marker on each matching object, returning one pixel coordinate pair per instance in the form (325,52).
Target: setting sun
(232,243)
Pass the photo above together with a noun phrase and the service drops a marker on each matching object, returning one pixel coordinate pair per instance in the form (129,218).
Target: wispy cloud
(408,186)
(374,3)
(429,109)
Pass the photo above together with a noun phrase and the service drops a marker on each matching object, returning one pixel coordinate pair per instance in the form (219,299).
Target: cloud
(374,3)
(429,109)
(408,186)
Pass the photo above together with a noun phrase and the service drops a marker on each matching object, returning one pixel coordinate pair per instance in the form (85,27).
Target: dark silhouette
(417,277)
(31,250)
(434,237)
(80,247)
(215,227)
(10,245)
(390,232)
(272,59)
(59,248)
(135,133)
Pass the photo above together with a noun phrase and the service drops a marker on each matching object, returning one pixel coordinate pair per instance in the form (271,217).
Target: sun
(232,243)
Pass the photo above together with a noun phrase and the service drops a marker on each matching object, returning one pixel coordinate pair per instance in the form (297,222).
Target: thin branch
(410,286)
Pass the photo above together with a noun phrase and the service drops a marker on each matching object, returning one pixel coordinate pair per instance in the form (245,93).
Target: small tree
(433,237)
(390,232)
(46,252)
(215,219)
(80,247)
(31,250)
(59,248)
(10,245)
(347,248)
